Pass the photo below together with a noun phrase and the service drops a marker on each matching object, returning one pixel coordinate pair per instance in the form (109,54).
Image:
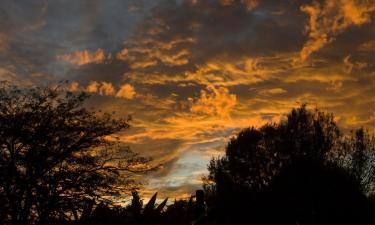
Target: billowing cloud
(73,86)
(218,101)
(126,91)
(93,87)
(106,89)
(84,57)
(331,18)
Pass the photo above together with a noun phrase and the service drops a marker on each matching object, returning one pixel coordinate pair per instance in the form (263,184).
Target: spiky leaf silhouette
(162,205)
(150,205)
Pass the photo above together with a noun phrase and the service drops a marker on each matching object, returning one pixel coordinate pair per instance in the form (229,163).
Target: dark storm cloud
(34,33)
(233,30)
(208,29)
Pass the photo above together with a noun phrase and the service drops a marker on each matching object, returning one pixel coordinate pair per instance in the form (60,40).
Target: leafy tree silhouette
(360,147)
(300,153)
(55,158)
(311,192)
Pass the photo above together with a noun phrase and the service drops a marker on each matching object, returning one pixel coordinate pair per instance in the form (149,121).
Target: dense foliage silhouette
(302,170)
(58,167)
(54,155)
(312,192)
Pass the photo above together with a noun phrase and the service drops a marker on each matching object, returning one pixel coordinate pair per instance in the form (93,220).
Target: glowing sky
(194,72)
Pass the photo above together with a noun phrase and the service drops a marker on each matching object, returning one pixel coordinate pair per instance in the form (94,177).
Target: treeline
(57,166)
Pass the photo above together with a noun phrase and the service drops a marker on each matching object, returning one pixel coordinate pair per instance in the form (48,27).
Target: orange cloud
(123,54)
(74,86)
(272,91)
(147,52)
(106,89)
(331,18)
(367,46)
(221,71)
(218,101)
(349,66)
(6,74)
(126,91)
(229,72)
(143,64)
(335,86)
(84,57)
(250,4)
(226,2)
(92,87)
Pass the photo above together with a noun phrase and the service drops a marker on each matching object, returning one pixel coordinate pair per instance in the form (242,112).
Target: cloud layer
(192,73)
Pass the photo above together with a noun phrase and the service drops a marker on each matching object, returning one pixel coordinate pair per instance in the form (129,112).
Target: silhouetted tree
(55,157)
(310,192)
(360,158)
(255,155)
(237,186)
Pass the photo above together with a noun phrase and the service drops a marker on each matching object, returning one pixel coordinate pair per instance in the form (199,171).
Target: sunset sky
(192,73)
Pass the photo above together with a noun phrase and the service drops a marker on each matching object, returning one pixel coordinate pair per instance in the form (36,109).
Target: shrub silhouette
(181,212)
(133,214)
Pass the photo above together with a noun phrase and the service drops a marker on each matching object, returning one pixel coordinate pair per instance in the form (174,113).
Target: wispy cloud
(329,19)
(125,91)
(85,57)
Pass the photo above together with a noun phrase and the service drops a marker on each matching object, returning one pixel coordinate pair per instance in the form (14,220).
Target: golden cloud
(367,46)
(147,52)
(123,54)
(272,91)
(106,89)
(92,87)
(349,66)
(126,91)
(216,101)
(73,86)
(329,19)
(249,4)
(84,57)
